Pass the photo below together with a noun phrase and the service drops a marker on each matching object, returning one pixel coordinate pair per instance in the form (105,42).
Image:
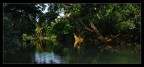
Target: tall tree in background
(109,19)
(18,19)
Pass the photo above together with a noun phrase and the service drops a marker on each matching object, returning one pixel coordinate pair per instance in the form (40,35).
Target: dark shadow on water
(23,55)
(53,52)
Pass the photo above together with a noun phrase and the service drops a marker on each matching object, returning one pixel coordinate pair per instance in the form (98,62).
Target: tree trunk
(98,34)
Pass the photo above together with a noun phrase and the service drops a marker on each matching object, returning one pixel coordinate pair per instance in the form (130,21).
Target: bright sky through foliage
(46,10)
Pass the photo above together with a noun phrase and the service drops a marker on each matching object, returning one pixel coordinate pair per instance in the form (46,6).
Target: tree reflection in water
(45,56)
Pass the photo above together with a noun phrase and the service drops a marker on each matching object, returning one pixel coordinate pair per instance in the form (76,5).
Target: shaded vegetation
(105,28)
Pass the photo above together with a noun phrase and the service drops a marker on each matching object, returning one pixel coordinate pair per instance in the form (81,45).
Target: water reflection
(46,54)
(47,58)
(53,52)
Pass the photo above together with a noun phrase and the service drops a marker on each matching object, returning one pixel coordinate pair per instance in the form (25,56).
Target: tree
(18,19)
(109,19)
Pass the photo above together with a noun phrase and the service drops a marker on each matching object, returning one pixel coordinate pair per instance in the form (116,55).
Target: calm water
(47,58)
(67,55)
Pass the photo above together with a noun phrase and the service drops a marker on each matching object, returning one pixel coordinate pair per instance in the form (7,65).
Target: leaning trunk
(98,34)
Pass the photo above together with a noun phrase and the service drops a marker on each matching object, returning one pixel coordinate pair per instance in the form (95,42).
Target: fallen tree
(97,33)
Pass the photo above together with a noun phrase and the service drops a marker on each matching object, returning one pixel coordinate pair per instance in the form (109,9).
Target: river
(69,55)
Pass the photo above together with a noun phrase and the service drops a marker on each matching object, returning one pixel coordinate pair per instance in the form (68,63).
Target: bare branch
(93,27)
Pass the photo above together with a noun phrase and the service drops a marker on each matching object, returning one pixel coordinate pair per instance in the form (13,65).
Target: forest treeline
(102,22)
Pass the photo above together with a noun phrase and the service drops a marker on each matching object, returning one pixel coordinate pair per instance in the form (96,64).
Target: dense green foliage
(110,19)
(26,22)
